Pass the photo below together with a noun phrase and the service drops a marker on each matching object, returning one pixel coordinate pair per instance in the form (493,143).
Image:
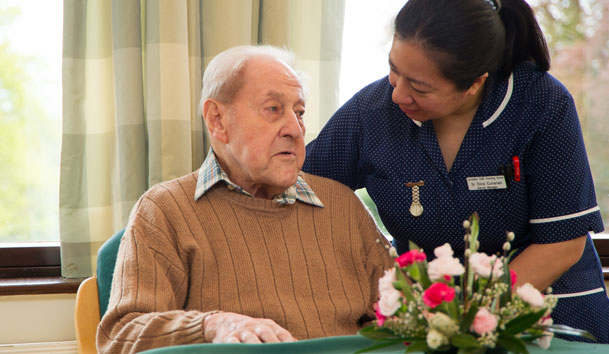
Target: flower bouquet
(421,305)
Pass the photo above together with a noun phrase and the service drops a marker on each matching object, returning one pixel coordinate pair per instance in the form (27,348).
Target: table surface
(350,344)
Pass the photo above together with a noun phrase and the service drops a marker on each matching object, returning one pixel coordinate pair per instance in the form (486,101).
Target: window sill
(45,278)
(33,269)
(38,286)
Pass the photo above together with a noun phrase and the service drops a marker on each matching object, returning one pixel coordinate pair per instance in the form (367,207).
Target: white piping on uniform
(583,293)
(420,124)
(564,217)
(506,99)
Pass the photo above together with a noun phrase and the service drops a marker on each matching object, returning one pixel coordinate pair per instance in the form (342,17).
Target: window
(30,132)
(578,36)
(30,127)
(366,48)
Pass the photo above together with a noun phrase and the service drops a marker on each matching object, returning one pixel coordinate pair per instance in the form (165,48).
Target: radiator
(68,347)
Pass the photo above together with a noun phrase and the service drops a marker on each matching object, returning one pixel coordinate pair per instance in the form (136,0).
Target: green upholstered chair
(93,295)
(106,259)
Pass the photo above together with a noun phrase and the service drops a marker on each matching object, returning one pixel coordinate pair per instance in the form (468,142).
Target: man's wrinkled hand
(229,327)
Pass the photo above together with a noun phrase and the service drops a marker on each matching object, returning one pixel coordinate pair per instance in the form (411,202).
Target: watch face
(416,209)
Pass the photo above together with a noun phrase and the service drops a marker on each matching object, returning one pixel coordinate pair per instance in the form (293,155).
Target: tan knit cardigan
(312,270)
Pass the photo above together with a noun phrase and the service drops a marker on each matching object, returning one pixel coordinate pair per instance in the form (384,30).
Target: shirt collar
(210,173)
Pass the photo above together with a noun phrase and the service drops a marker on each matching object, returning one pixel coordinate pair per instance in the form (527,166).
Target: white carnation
(443,251)
(444,266)
(481,263)
(387,280)
(389,302)
(530,295)
(389,296)
(545,341)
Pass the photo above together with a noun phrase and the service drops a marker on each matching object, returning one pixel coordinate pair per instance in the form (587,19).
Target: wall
(40,318)
(37,318)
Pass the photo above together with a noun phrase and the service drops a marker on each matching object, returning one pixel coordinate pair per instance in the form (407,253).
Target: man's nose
(402,94)
(293,125)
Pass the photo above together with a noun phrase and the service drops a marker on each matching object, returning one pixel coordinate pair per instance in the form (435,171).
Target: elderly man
(248,248)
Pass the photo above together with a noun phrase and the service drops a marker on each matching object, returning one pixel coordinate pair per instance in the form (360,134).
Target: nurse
(469,120)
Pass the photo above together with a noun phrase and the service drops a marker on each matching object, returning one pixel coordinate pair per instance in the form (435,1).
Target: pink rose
(484,322)
(481,263)
(437,293)
(410,257)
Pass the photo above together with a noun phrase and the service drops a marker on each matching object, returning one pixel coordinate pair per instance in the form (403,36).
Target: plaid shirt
(211,173)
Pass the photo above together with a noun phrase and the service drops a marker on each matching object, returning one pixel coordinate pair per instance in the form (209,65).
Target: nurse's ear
(477,85)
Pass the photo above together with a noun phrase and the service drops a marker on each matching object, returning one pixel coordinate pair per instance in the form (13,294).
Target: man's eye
(300,113)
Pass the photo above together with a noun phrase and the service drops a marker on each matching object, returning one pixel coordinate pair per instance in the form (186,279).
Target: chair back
(86,316)
(94,294)
(106,260)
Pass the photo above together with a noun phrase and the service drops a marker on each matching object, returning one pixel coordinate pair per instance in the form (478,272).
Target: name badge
(486,182)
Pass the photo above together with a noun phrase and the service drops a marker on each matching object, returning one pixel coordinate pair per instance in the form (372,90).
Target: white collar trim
(506,99)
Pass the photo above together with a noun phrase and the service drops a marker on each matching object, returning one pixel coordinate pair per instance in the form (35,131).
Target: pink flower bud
(410,257)
(513,277)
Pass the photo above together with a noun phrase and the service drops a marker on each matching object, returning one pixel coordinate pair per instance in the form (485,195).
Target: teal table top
(349,345)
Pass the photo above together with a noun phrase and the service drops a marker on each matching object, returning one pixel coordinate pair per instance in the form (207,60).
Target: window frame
(601,243)
(33,268)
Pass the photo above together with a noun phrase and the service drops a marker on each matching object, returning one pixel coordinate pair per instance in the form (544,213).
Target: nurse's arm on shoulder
(542,264)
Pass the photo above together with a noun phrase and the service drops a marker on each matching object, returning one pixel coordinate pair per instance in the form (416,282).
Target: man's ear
(478,83)
(214,114)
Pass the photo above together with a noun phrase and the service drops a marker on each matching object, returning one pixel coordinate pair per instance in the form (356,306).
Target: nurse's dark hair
(468,38)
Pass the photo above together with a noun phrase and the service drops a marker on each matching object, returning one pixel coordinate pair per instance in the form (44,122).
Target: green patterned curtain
(131,85)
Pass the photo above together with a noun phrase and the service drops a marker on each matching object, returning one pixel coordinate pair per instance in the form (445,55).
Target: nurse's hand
(230,327)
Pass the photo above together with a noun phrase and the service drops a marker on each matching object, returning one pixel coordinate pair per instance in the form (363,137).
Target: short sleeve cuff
(567,227)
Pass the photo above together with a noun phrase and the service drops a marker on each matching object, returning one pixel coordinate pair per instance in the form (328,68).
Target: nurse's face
(421,90)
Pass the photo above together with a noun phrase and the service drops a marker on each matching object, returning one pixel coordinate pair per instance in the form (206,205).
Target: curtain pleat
(132,75)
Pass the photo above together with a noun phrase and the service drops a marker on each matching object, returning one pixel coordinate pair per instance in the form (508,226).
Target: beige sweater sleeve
(149,289)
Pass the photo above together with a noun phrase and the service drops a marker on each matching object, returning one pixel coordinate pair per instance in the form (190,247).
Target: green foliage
(523,322)
(464,340)
(577,33)
(512,343)
(27,137)
(562,21)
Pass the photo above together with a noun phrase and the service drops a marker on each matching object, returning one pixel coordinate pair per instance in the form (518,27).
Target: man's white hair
(221,77)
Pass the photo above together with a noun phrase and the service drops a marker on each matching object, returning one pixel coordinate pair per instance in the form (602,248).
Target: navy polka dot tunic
(371,143)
